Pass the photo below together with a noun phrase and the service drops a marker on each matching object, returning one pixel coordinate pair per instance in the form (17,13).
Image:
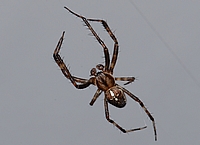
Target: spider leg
(80,80)
(106,53)
(116,45)
(65,71)
(128,79)
(96,95)
(142,105)
(114,123)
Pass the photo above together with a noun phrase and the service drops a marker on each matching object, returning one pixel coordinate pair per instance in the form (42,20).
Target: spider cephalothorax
(103,78)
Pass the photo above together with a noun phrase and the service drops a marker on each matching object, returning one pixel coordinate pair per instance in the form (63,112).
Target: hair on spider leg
(90,34)
(68,66)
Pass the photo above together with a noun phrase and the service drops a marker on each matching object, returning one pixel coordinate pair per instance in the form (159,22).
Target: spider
(103,78)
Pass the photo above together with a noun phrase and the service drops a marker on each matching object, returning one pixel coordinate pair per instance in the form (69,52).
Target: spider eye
(116,97)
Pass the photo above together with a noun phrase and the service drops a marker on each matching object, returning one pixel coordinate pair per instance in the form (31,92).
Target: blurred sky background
(159,45)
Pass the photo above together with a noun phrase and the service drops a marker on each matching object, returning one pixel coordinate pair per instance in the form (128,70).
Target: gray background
(39,106)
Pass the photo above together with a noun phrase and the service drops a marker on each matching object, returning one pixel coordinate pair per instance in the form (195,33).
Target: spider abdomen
(116,97)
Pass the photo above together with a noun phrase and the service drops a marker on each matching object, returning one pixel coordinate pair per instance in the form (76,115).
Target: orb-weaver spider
(103,79)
